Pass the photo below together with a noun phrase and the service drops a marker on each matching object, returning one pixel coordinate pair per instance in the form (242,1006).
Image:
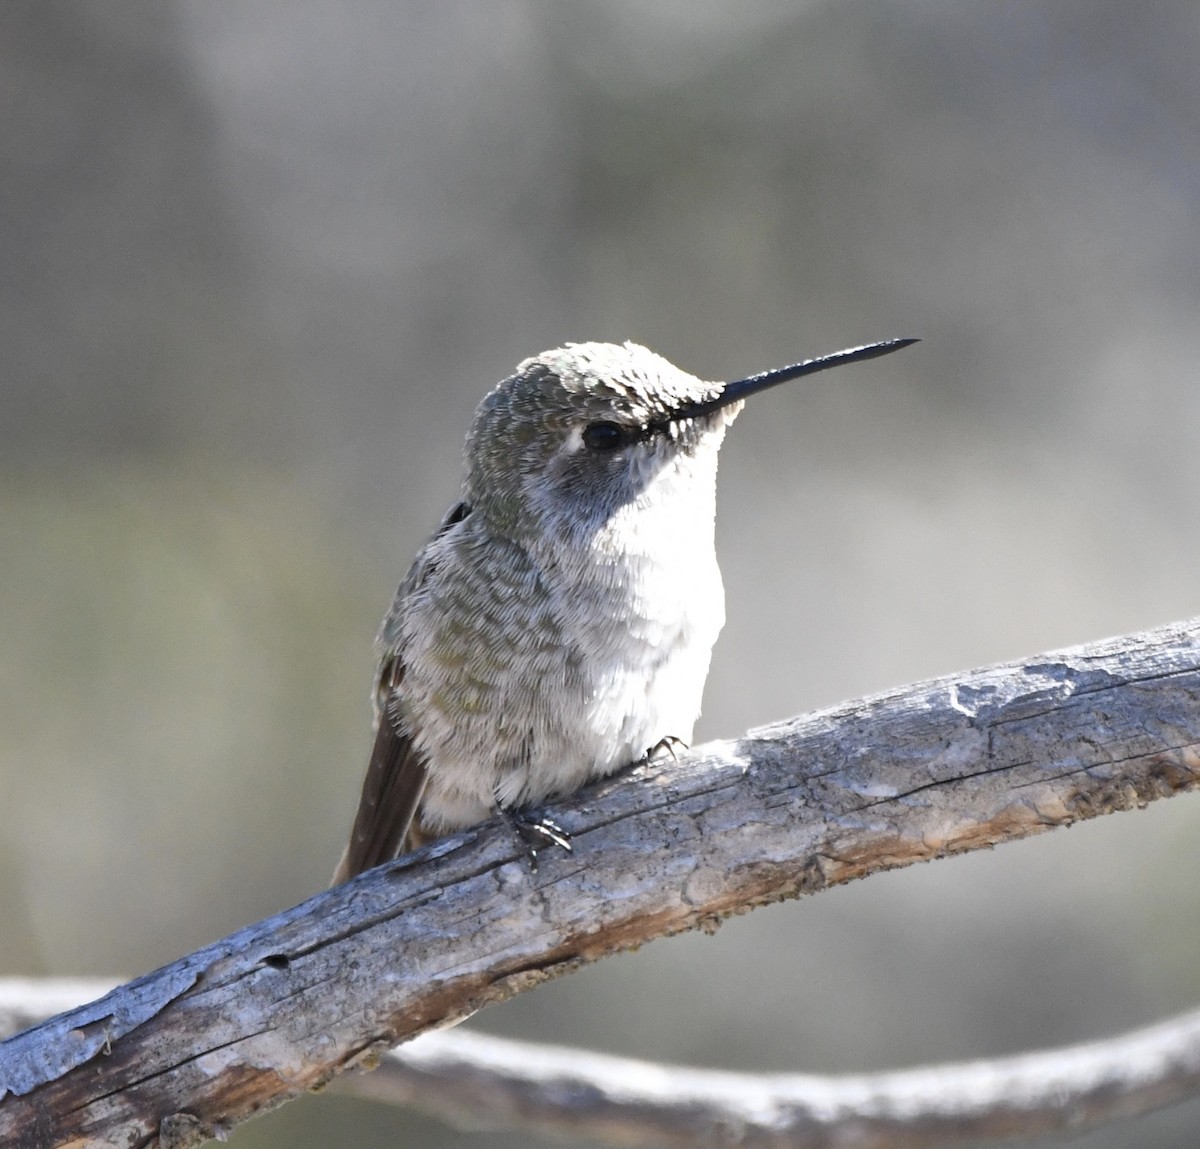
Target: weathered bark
(283,1005)
(488,1082)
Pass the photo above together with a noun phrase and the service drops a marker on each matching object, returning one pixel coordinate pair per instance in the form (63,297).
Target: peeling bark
(483,1082)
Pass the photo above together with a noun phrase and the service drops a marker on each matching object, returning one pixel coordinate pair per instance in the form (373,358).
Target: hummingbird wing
(396,773)
(391,792)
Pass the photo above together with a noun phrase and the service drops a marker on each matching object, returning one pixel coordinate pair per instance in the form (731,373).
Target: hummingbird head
(582,431)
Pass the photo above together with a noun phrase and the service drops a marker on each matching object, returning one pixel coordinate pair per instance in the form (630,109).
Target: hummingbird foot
(537,832)
(665,745)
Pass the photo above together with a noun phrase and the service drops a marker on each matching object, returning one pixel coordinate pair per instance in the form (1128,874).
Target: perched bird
(558,626)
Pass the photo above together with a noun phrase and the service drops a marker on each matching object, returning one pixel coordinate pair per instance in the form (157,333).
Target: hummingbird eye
(605,436)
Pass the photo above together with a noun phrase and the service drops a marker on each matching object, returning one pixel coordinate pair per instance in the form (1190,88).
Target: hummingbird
(558,625)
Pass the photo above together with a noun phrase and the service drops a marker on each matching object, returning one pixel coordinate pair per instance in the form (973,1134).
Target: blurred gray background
(259,262)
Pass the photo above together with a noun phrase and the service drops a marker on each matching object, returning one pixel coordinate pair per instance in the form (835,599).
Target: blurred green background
(259,262)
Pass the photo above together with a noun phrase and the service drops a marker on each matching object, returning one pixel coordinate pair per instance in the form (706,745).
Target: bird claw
(538,832)
(667,744)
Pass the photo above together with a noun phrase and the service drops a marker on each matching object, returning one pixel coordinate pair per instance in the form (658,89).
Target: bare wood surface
(481,1081)
(942,767)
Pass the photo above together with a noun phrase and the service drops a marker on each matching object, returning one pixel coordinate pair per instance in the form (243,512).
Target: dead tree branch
(488,1082)
(284,1005)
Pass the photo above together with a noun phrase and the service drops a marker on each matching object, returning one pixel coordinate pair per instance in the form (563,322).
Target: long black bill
(740,388)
